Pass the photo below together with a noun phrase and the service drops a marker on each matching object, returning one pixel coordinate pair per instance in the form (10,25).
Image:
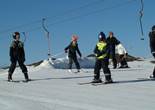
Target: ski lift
(142,39)
(140,19)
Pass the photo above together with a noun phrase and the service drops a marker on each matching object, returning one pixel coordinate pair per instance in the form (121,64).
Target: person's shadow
(138,80)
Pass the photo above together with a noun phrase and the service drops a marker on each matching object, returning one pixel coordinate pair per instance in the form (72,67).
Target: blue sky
(86,18)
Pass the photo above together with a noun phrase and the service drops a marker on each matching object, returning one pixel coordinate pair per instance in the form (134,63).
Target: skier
(152,46)
(17,54)
(112,42)
(122,53)
(71,49)
(102,60)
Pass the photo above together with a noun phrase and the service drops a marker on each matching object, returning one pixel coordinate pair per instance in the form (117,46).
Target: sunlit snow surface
(57,89)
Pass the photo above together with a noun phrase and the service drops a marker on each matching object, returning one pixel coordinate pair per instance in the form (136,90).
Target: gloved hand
(66,51)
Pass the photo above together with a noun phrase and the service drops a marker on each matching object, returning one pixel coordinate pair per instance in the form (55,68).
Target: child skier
(17,54)
(102,60)
(72,48)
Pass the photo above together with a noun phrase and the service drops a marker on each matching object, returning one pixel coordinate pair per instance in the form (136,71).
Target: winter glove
(125,55)
(65,51)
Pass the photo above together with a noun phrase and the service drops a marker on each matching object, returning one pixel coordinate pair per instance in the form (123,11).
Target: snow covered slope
(57,89)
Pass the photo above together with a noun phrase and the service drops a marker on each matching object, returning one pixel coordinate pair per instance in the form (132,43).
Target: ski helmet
(101,36)
(15,33)
(153,27)
(74,38)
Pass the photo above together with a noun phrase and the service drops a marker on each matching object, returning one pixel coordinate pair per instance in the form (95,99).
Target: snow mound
(62,63)
(45,64)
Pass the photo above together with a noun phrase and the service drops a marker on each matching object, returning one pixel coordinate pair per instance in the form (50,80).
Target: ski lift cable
(59,15)
(86,14)
(93,12)
(89,4)
(76,9)
(20,26)
(25,37)
(58,54)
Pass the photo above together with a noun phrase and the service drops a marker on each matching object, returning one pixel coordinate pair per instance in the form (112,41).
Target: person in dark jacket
(112,42)
(152,46)
(71,49)
(17,54)
(102,60)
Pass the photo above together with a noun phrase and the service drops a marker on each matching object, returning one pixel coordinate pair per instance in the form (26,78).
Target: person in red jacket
(71,49)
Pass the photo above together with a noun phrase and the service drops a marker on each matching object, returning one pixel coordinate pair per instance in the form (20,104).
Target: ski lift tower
(48,38)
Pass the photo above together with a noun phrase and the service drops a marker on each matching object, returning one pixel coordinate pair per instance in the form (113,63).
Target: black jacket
(72,50)
(112,42)
(152,41)
(17,51)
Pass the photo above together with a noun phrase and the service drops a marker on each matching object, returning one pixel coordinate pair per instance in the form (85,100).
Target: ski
(83,83)
(151,79)
(103,83)
(127,69)
(71,71)
(95,84)
(82,70)
(18,81)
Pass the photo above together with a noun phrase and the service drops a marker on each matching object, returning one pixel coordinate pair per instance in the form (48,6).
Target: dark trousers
(13,66)
(154,67)
(154,72)
(73,59)
(113,57)
(104,65)
(123,61)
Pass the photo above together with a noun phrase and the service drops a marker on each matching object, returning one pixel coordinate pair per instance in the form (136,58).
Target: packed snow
(54,88)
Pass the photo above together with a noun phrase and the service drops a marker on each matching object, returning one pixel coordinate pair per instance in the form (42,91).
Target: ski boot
(97,81)
(26,77)
(152,77)
(108,79)
(10,77)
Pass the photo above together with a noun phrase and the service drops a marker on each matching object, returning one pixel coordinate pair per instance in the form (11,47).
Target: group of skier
(104,50)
